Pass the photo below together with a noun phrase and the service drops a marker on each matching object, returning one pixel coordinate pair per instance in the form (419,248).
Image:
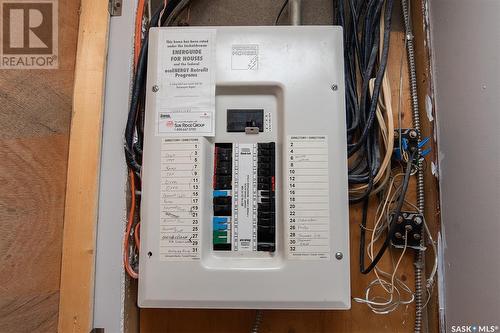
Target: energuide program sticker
(185,101)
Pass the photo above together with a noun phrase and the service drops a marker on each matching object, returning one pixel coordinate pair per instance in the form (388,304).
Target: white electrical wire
(162,12)
(379,304)
(387,282)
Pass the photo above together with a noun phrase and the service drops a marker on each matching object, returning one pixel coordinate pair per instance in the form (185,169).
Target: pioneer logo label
(29,34)
(245,57)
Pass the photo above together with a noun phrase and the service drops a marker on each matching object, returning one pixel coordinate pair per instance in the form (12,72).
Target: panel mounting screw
(413,134)
(156,88)
(335,87)
(416,236)
(418,220)
(339,255)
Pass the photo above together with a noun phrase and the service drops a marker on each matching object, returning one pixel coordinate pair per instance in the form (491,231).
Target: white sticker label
(308,198)
(186,87)
(245,197)
(184,123)
(180,199)
(245,57)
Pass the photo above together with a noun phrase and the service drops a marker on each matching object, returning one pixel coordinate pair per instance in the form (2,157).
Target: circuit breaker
(244,198)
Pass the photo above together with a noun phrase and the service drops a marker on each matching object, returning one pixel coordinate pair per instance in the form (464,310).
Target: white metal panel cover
(289,73)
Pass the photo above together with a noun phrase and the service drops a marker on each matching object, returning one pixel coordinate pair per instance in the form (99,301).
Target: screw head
(400,219)
(339,255)
(416,236)
(408,227)
(398,235)
(156,88)
(413,134)
(418,220)
(335,87)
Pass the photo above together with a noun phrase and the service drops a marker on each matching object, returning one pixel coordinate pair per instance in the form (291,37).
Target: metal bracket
(115,7)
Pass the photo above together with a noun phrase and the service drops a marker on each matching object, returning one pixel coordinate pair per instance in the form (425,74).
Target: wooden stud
(77,275)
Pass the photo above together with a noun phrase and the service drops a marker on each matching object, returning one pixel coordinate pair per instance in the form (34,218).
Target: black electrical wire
(135,122)
(379,76)
(361,22)
(281,12)
(392,222)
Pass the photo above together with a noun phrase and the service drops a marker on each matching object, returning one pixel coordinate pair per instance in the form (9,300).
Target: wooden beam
(77,275)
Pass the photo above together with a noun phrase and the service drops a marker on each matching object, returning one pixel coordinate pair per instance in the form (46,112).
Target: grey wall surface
(110,277)
(466,44)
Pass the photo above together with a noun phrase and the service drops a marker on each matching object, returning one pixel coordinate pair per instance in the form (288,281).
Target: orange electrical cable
(126,260)
(138,30)
(133,274)
(137,238)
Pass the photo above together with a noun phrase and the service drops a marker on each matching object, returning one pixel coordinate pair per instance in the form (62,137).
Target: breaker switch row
(266,208)
(222,201)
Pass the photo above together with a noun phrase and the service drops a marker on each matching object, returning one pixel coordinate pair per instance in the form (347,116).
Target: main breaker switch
(245,121)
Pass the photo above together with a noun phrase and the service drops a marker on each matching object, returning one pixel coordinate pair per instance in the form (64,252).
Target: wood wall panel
(34,132)
(32,174)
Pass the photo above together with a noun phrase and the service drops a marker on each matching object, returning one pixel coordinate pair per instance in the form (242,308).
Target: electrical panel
(244,197)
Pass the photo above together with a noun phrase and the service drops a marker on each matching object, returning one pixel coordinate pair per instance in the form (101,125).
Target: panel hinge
(115,7)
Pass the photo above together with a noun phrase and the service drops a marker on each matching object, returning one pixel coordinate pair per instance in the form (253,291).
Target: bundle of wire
(367,26)
(370,122)
(134,130)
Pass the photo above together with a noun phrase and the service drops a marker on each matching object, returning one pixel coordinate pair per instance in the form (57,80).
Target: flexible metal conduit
(295,10)
(258,321)
(419,262)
